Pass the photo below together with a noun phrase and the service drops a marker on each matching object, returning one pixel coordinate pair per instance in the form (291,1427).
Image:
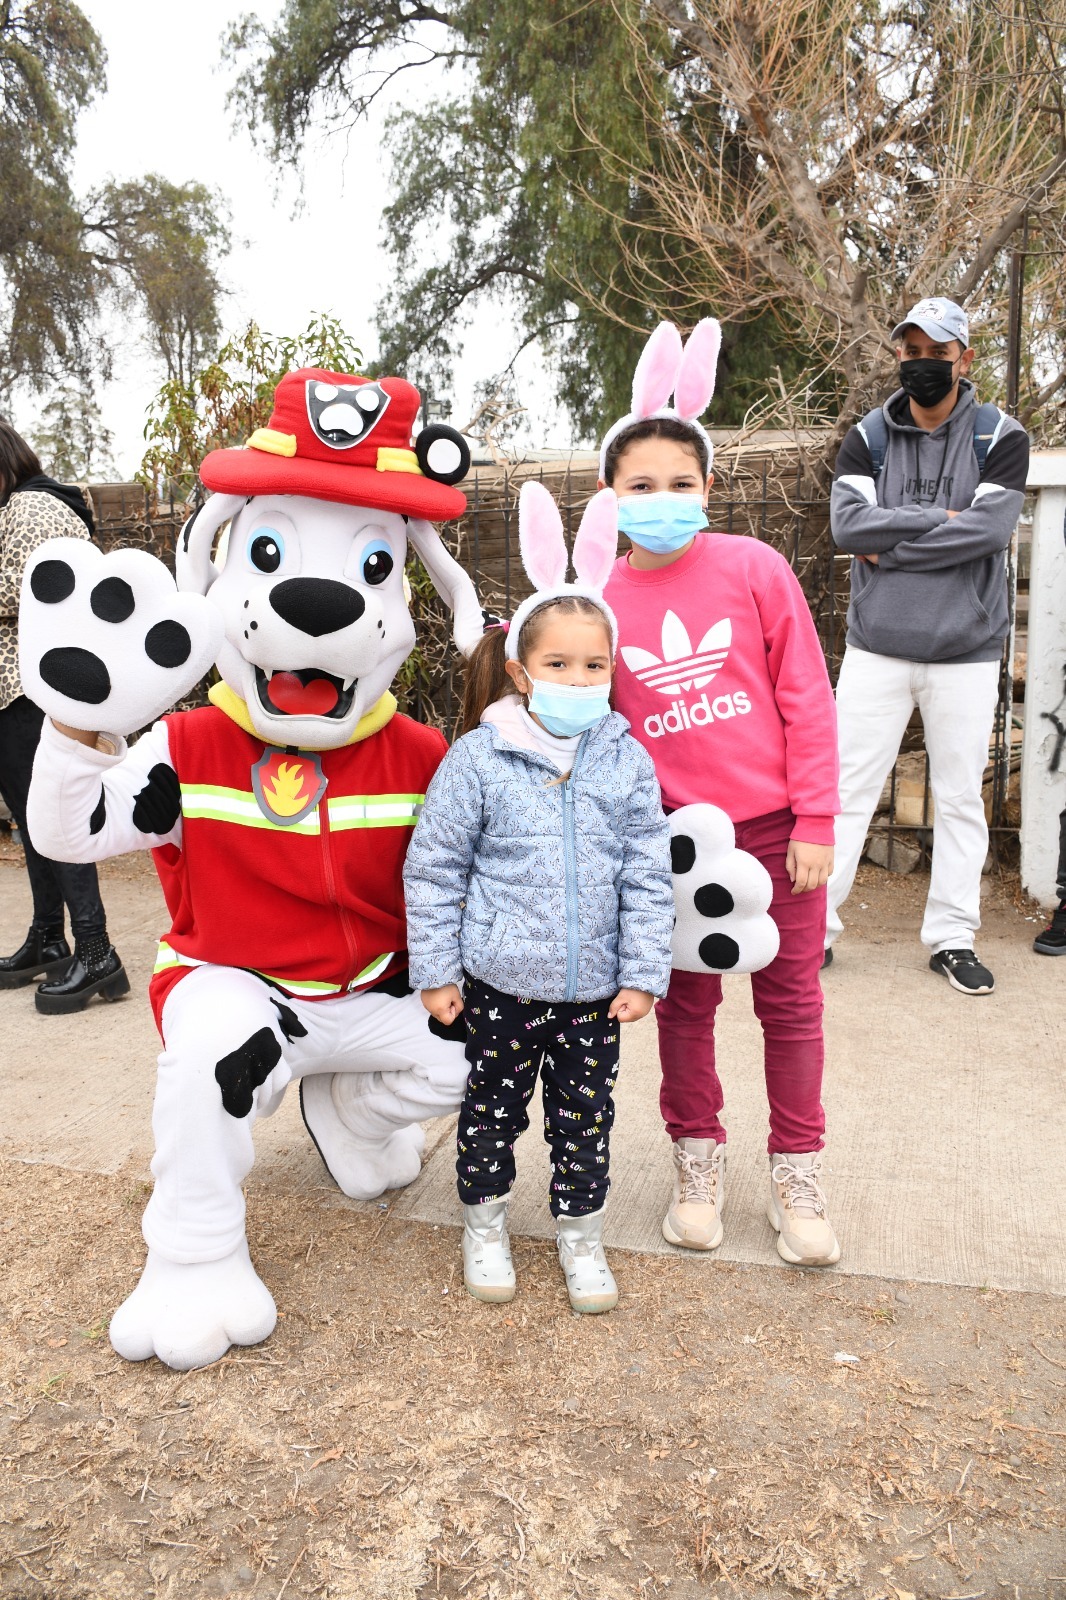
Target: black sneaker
(963,971)
(827,958)
(1052,942)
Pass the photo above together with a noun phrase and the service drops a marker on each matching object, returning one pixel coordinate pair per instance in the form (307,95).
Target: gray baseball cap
(940,319)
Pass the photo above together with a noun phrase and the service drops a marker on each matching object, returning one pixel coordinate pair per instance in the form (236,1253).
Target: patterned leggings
(575,1046)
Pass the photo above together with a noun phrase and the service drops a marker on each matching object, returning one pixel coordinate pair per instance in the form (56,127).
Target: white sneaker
(797,1211)
(695,1215)
(487,1270)
(589,1280)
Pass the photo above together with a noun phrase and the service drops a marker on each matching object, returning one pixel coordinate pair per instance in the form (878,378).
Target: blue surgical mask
(661,522)
(567,709)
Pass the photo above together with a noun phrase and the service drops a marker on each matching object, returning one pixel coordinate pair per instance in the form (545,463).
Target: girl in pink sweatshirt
(722,678)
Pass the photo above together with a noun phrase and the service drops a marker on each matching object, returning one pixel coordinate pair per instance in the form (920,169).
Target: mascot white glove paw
(106,642)
(189,1314)
(721,896)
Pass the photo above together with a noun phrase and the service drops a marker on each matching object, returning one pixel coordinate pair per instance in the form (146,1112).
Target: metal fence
(758,497)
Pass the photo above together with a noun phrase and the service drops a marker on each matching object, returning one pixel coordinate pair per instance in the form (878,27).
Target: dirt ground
(395,1439)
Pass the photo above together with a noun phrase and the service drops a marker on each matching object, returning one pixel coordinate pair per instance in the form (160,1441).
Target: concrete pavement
(945,1113)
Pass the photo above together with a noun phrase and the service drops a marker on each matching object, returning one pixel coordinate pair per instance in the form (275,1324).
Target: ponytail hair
(486,677)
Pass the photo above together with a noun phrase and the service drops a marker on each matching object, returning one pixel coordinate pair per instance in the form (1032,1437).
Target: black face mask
(928,382)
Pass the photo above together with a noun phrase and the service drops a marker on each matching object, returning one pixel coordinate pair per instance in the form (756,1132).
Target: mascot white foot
(278,816)
(188,1314)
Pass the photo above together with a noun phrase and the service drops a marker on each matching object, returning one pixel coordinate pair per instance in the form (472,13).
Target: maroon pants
(787,996)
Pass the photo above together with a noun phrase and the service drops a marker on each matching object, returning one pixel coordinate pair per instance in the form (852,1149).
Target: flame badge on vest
(287,786)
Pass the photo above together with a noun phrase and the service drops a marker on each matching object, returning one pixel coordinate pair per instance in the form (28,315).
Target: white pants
(221,1028)
(875,698)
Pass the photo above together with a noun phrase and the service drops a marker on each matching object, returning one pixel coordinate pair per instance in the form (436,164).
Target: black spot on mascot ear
(76,673)
(158,805)
(453,1031)
(398,984)
(240,1073)
(99,816)
(288,1021)
(713,900)
(719,951)
(51,582)
(682,853)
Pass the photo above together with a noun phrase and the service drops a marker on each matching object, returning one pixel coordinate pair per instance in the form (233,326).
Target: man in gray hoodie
(925,498)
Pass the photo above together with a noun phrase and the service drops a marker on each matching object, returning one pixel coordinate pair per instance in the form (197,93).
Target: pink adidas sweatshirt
(722,677)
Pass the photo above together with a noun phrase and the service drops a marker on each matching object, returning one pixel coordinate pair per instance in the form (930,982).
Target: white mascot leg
(225,1039)
(399,1067)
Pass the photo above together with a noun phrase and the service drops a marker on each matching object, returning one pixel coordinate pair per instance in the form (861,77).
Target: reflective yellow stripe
(168,958)
(214,803)
(392,460)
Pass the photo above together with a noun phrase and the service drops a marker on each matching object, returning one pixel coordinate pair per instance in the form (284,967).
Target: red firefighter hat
(336,437)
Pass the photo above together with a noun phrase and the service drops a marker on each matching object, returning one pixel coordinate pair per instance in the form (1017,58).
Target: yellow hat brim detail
(390,460)
(273,442)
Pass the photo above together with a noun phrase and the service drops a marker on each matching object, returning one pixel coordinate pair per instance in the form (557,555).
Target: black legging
(51,882)
(1060,876)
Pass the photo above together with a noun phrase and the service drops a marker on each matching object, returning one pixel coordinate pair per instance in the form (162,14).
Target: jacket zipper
(570,874)
(331,889)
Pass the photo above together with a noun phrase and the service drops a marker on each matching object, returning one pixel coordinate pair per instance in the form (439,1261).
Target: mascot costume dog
(278,816)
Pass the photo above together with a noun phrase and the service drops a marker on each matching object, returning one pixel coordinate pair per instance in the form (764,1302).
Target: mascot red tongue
(314,699)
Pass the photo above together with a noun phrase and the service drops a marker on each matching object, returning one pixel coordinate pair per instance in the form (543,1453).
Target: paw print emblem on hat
(342,414)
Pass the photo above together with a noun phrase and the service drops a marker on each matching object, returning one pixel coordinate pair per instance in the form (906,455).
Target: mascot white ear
(721,897)
(455,587)
(194,571)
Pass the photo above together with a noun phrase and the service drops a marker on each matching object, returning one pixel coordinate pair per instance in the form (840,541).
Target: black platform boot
(95,969)
(44,952)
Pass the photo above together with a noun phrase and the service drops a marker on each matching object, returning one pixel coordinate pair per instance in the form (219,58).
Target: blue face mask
(567,709)
(661,522)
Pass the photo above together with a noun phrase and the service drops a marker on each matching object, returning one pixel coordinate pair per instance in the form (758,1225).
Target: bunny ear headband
(543,547)
(666,367)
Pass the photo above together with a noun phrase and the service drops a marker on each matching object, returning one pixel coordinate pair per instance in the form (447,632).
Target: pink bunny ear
(656,374)
(540,537)
(596,545)
(699,366)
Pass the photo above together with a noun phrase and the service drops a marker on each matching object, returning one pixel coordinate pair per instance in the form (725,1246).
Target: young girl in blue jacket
(539,900)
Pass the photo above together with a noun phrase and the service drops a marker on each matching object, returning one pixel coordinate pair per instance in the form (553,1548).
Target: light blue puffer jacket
(546,889)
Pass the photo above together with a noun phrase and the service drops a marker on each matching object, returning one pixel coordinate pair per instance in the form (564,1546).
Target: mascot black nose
(316,605)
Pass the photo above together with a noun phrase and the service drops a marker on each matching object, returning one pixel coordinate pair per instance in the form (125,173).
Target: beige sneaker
(694,1219)
(797,1211)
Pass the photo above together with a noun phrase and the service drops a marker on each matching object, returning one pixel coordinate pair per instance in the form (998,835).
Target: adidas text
(697,714)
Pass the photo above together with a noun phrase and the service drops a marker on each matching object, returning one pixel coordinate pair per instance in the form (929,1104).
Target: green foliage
(152,245)
(161,242)
(71,440)
(229,397)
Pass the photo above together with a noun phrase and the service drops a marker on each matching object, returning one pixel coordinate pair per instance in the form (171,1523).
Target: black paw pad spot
(76,673)
(158,805)
(682,853)
(455,1031)
(52,581)
(719,951)
(240,1073)
(168,644)
(112,600)
(398,984)
(289,1022)
(96,821)
(712,900)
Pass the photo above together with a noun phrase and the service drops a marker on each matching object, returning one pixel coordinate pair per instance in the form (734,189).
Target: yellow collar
(221,695)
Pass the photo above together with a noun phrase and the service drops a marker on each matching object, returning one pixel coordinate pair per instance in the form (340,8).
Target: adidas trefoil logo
(681,667)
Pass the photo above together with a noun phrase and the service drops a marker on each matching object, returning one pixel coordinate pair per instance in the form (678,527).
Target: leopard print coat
(26,521)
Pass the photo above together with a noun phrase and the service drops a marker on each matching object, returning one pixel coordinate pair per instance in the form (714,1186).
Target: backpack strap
(988,423)
(875,431)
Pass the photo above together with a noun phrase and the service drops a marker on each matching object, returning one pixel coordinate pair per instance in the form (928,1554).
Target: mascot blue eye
(377,563)
(266,549)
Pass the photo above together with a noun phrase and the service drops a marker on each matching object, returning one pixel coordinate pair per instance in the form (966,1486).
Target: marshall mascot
(278,816)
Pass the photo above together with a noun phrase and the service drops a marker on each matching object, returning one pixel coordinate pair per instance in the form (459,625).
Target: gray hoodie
(939,591)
